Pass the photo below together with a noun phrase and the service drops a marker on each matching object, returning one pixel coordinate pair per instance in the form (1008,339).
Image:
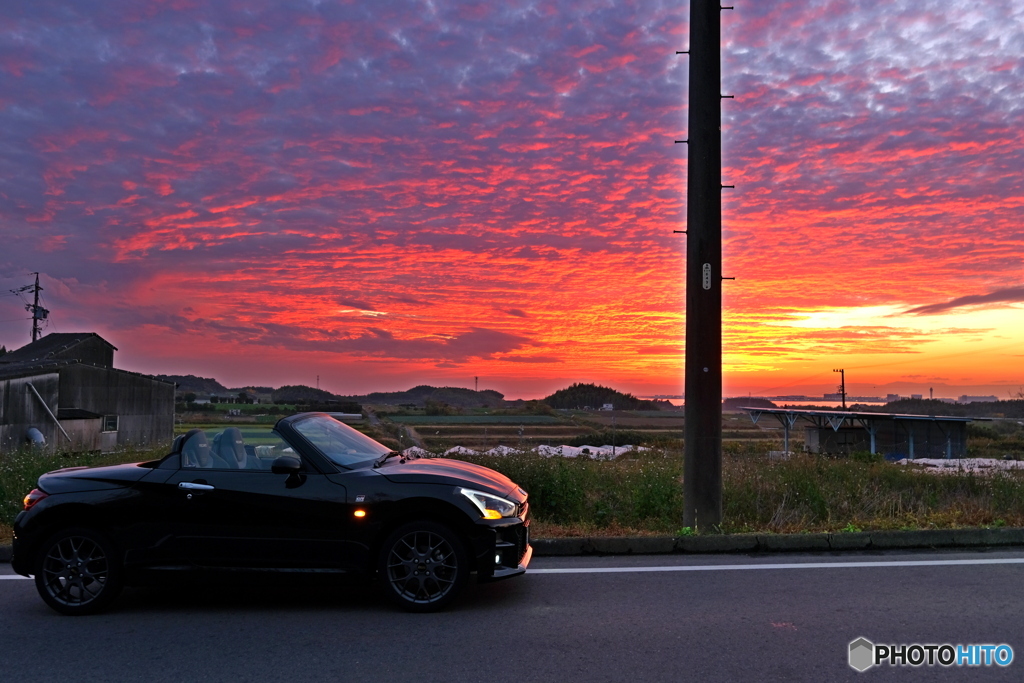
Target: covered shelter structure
(892,434)
(63,393)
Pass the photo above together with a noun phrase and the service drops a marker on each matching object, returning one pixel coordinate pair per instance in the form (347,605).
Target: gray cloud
(1002,296)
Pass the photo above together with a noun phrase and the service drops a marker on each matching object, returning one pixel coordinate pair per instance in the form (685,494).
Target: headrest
(195,450)
(231,447)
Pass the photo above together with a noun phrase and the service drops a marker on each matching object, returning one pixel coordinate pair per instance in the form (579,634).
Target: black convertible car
(313,496)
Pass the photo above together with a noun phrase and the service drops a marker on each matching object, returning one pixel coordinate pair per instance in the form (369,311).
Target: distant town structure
(63,393)
(977,399)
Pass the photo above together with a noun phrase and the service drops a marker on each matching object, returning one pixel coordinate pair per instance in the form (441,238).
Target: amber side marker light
(33,497)
(491,514)
(359,513)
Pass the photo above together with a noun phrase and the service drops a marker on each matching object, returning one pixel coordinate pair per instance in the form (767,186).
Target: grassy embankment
(642,493)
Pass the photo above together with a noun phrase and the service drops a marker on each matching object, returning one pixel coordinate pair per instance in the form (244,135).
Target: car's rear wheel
(423,566)
(77,572)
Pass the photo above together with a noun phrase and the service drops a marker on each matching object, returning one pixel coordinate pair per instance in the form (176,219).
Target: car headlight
(491,507)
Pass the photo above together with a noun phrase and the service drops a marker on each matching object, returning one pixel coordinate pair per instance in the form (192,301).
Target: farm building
(893,435)
(66,389)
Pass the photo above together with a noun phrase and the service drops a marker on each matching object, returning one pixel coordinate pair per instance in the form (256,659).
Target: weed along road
(781,617)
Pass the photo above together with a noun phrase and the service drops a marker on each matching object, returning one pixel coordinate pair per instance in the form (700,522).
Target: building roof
(49,346)
(47,367)
(76,414)
(837,415)
(32,368)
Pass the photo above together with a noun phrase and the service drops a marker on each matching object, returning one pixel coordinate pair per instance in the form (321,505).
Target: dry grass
(811,493)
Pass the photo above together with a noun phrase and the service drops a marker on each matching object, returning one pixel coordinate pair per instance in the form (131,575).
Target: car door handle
(192,486)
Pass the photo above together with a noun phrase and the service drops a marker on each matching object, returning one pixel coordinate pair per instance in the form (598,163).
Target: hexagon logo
(862,654)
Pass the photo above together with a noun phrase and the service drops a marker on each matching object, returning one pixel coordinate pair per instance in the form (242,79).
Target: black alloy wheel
(77,572)
(424,566)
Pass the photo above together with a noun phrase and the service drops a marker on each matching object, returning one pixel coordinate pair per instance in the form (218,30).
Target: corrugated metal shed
(79,405)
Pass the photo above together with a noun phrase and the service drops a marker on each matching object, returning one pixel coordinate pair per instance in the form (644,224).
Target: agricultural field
(640,427)
(255,434)
(252,433)
(474,419)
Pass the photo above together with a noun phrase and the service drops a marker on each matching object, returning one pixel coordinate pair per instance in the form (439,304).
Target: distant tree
(3,350)
(300,393)
(594,396)
(440,408)
(190,397)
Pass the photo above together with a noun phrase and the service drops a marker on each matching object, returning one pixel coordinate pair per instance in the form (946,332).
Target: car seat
(231,448)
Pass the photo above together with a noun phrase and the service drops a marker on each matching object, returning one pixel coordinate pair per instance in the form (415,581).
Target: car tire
(78,572)
(423,566)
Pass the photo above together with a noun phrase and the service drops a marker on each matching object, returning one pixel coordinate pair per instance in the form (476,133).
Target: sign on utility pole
(702,469)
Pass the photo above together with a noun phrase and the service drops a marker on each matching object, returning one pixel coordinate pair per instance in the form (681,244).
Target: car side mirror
(286,464)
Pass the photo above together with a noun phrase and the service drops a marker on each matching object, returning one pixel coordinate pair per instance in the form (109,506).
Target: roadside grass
(641,493)
(19,471)
(804,494)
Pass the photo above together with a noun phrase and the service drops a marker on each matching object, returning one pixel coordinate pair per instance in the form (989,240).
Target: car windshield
(339,442)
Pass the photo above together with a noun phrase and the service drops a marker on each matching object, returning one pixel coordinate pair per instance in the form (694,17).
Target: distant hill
(196,385)
(594,396)
(456,397)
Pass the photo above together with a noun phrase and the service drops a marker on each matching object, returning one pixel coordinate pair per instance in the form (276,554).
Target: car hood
(454,472)
(92,478)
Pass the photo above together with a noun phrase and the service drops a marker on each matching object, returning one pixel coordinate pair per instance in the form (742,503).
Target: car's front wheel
(423,566)
(77,572)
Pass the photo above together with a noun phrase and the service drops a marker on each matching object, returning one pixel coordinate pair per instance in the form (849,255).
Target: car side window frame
(175,459)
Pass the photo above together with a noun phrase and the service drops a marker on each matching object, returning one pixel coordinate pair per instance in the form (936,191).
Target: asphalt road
(716,620)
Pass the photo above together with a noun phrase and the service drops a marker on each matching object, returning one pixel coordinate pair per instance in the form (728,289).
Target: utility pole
(37,311)
(702,467)
(613,435)
(842,385)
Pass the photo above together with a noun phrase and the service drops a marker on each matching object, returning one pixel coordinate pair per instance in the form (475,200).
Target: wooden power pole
(702,469)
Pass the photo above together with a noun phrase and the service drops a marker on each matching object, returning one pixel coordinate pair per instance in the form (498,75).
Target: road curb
(752,543)
(747,543)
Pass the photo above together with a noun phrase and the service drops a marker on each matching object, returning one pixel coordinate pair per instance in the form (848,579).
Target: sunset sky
(387,194)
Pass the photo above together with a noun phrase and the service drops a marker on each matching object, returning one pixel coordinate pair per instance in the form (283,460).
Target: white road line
(734,567)
(795,565)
